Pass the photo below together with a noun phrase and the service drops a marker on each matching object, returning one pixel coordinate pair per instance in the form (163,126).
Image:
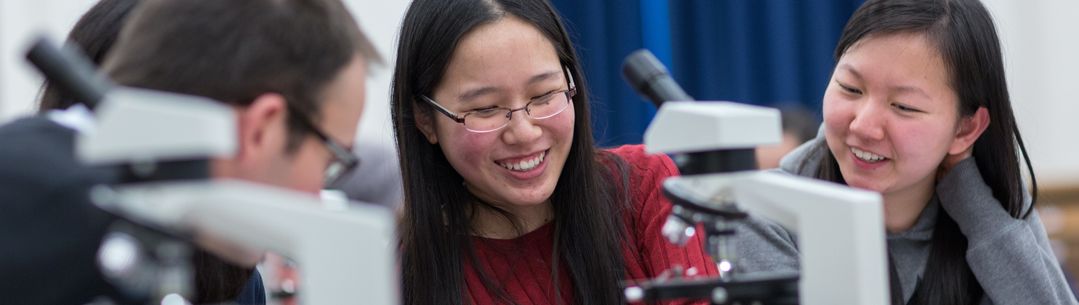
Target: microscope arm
(840,230)
(347,255)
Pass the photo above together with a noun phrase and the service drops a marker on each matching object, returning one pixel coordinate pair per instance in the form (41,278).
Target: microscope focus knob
(677,231)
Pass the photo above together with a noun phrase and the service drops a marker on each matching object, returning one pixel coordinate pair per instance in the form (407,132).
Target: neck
(489,223)
(902,207)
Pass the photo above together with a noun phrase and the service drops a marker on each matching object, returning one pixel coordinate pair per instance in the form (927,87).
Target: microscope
(162,143)
(840,230)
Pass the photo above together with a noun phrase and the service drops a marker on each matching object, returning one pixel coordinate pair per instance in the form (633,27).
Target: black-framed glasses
(495,118)
(343,159)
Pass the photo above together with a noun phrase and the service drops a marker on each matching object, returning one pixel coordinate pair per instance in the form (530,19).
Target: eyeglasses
(495,118)
(343,159)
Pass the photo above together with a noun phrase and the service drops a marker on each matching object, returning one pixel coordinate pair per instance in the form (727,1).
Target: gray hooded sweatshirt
(1010,258)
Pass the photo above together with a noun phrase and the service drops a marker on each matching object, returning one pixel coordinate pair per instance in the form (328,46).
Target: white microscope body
(840,229)
(347,256)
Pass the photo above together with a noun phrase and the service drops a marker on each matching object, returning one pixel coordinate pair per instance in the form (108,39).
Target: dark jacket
(49,229)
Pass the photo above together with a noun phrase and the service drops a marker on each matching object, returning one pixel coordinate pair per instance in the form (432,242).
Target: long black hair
(964,35)
(436,225)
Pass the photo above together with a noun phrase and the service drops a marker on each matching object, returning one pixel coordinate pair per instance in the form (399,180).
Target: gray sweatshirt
(1010,258)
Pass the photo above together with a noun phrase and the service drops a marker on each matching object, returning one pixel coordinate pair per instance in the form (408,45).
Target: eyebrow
(914,90)
(898,89)
(851,69)
(471,94)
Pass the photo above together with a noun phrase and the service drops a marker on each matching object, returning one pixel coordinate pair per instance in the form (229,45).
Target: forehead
(506,52)
(903,62)
(902,54)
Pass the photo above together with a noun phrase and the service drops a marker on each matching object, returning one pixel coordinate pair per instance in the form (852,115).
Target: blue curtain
(762,52)
(604,32)
(758,52)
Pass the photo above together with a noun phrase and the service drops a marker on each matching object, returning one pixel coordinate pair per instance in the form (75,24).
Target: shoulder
(641,176)
(34,137)
(805,159)
(35,144)
(643,164)
(31,129)
(36,152)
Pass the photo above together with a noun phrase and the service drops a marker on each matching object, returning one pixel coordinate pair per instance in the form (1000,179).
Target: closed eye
(488,108)
(849,89)
(905,108)
(486,111)
(546,96)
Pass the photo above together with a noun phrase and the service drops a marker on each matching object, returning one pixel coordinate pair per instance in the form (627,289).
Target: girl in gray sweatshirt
(918,110)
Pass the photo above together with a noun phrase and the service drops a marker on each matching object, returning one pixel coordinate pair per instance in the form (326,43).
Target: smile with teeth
(866,156)
(524,165)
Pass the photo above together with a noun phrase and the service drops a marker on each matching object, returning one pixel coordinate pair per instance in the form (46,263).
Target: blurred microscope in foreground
(162,144)
(840,230)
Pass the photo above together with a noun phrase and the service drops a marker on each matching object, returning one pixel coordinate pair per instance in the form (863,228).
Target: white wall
(21,20)
(1041,53)
(381,21)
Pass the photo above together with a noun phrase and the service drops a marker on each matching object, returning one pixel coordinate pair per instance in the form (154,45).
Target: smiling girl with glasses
(508,201)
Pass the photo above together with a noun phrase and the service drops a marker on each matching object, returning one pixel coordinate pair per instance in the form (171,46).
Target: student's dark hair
(94,34)
(964,35)
(435,229)
(233,51)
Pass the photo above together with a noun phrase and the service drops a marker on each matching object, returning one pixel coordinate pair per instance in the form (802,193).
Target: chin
(528,203)
(857,181)
(532,199)
(865,184)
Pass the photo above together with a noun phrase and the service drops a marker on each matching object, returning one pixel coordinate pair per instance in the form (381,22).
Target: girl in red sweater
(507,199)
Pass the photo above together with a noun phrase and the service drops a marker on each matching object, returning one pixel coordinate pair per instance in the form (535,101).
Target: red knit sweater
(522,266)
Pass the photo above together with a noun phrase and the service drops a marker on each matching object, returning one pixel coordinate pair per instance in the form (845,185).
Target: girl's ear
(970,128)
(425,123)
